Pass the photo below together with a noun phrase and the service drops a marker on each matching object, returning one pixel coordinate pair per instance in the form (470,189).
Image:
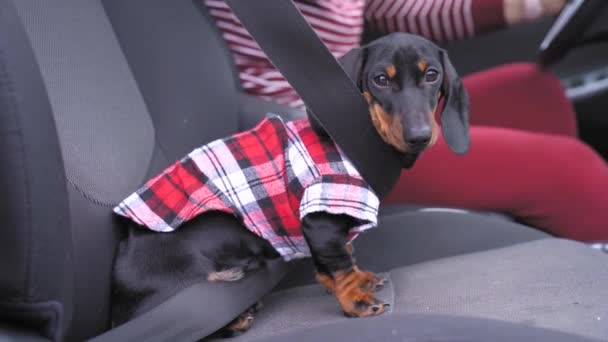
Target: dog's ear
(455,114)
(352,63)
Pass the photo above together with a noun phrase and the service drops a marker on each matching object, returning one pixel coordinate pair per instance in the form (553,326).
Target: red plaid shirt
(269,177)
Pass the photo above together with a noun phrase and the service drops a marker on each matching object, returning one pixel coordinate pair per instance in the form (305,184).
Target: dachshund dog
(403,78)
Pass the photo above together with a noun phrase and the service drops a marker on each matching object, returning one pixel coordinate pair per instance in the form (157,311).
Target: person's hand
(518,11)
(552,7)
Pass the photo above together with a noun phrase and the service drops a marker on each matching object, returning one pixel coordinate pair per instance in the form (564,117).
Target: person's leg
(520,96)
(552,182)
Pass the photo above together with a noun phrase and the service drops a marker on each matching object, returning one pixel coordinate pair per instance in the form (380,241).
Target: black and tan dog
(402,77)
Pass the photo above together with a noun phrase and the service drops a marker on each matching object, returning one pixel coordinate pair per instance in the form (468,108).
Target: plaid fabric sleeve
(342,194)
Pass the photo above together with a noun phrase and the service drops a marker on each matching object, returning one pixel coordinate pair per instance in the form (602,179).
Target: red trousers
(525,159)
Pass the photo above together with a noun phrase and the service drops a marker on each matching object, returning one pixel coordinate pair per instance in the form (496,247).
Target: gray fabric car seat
(97,96)
(527,283)
(79,137)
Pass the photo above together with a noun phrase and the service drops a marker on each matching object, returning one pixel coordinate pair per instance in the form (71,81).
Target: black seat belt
(329,94)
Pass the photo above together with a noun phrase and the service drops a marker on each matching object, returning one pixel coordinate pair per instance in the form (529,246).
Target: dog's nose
(419,138)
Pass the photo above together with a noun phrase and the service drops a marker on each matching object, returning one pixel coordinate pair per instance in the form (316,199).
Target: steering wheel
(575,18)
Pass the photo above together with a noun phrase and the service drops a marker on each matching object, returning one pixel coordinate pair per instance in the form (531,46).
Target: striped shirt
(339,24)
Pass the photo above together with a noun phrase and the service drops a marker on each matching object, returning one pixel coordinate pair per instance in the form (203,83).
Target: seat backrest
(36,262)
(94,98)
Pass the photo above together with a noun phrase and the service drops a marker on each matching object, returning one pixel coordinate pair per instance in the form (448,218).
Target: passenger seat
(98,96)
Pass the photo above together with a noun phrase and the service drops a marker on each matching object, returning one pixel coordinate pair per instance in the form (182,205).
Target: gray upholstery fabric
(16,333)
(415,236)
(91,89)
(425,328)
(550,283)
(105,135)
(183,69)
(391,209)
(36,273)
(109,139)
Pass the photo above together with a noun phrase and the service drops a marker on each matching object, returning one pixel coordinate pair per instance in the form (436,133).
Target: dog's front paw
(375,282)
(353,291)
(326,281)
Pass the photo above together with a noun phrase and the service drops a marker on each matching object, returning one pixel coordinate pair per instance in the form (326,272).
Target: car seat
(97,96)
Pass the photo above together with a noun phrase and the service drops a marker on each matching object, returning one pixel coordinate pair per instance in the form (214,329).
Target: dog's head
(403,77)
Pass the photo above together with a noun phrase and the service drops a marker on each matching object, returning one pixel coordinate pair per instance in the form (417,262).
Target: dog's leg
(326,236)
(327,281)
(378,282)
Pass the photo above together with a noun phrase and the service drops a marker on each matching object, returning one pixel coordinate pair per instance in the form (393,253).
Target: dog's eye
(431,75)
(381,80)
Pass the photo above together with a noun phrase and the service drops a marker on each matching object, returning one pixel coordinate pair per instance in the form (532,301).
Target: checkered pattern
(269,177)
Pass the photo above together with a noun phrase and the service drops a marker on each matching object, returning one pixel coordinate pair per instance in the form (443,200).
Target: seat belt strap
(329,94)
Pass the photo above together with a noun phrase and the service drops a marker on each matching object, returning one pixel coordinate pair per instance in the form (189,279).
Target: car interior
(582,70)
(98,96)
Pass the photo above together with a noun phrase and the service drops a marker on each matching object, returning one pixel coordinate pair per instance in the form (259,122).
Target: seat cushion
(550,283)
(425,327)
(414,235)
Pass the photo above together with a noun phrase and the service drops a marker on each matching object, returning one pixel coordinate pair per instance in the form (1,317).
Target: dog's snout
(418,137)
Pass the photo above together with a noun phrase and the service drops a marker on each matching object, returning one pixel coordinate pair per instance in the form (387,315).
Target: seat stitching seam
(13,109)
